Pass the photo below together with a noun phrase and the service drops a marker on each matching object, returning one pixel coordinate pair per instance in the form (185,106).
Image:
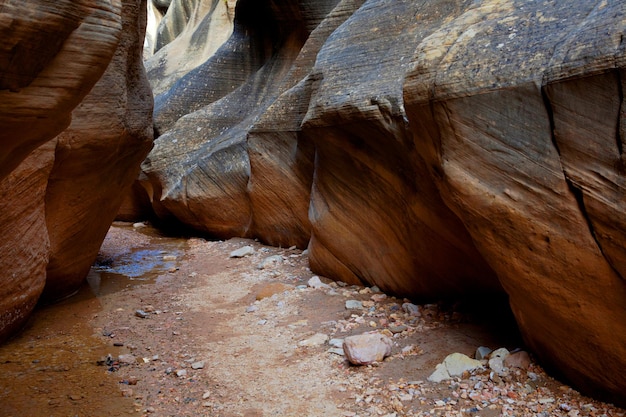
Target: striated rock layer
(61,194)
(432,148)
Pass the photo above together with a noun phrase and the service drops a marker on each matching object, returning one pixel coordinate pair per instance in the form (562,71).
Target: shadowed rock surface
(59,202)
(430,148)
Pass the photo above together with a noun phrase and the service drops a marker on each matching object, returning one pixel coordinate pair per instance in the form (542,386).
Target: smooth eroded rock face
(61,194)
(52,54)
(24,242)
(434,149)
(97,159)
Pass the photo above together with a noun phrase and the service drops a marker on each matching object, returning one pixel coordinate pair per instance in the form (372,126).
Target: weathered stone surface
(59,202)
(52,54)
(367,348)
(24,244)
(97,159)
(522,103)
(430,148)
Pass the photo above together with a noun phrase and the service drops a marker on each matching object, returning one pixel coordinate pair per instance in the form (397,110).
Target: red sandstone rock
(97,159)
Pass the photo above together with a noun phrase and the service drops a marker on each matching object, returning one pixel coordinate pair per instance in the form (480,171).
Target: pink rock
(367,348)
(519,359)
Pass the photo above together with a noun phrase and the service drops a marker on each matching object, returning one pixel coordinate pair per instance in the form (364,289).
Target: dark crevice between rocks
(575,189)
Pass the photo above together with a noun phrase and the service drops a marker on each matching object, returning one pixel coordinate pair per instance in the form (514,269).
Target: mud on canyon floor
(176,327)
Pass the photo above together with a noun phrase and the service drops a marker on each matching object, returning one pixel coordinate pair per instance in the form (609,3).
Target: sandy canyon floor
(176,327)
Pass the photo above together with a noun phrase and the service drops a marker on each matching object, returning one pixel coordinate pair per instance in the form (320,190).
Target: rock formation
(431,148)
(61,194)
(97,159)
(51,56)
(523,104)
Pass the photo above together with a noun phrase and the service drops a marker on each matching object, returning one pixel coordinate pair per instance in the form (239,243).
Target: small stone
(336,351)
(252,309)
(169,258)
(519,359)
(315,282)
(454,364)
(317,339)
(75,397)
(242,252)
(181,373)
(354,305)
(337,343)
(378,297)
(270,261)
(482,352)
(197,365)
(139,225)
(206,395)
(141,314)
(496,360)
(411,309)
(367,348)
(398,329)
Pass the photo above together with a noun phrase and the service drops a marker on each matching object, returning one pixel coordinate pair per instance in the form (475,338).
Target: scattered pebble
(141,314)
(316,282)
(354,305)
(317,339)
(242,252)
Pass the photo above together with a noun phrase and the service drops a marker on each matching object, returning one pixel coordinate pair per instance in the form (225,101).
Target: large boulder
(431,148)
(523,103)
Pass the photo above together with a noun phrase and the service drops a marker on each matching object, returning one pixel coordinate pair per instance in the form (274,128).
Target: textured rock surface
(523,103)
(97,159)
(52,54)
(24,243)
(432,148)
(59,202)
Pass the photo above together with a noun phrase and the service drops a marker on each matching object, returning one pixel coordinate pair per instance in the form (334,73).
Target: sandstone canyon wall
(60,193)
(432,148)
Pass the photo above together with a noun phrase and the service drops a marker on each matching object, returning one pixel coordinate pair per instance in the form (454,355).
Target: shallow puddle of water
(50,368)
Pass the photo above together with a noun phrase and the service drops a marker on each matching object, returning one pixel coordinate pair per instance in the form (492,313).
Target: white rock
(241,252)
(454,365)
(315,282)
(496,360)
(482,352)
(337,343)
(197,365)
(354,305)
(270,261)
(181,373)
(367,348)
(317,339)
